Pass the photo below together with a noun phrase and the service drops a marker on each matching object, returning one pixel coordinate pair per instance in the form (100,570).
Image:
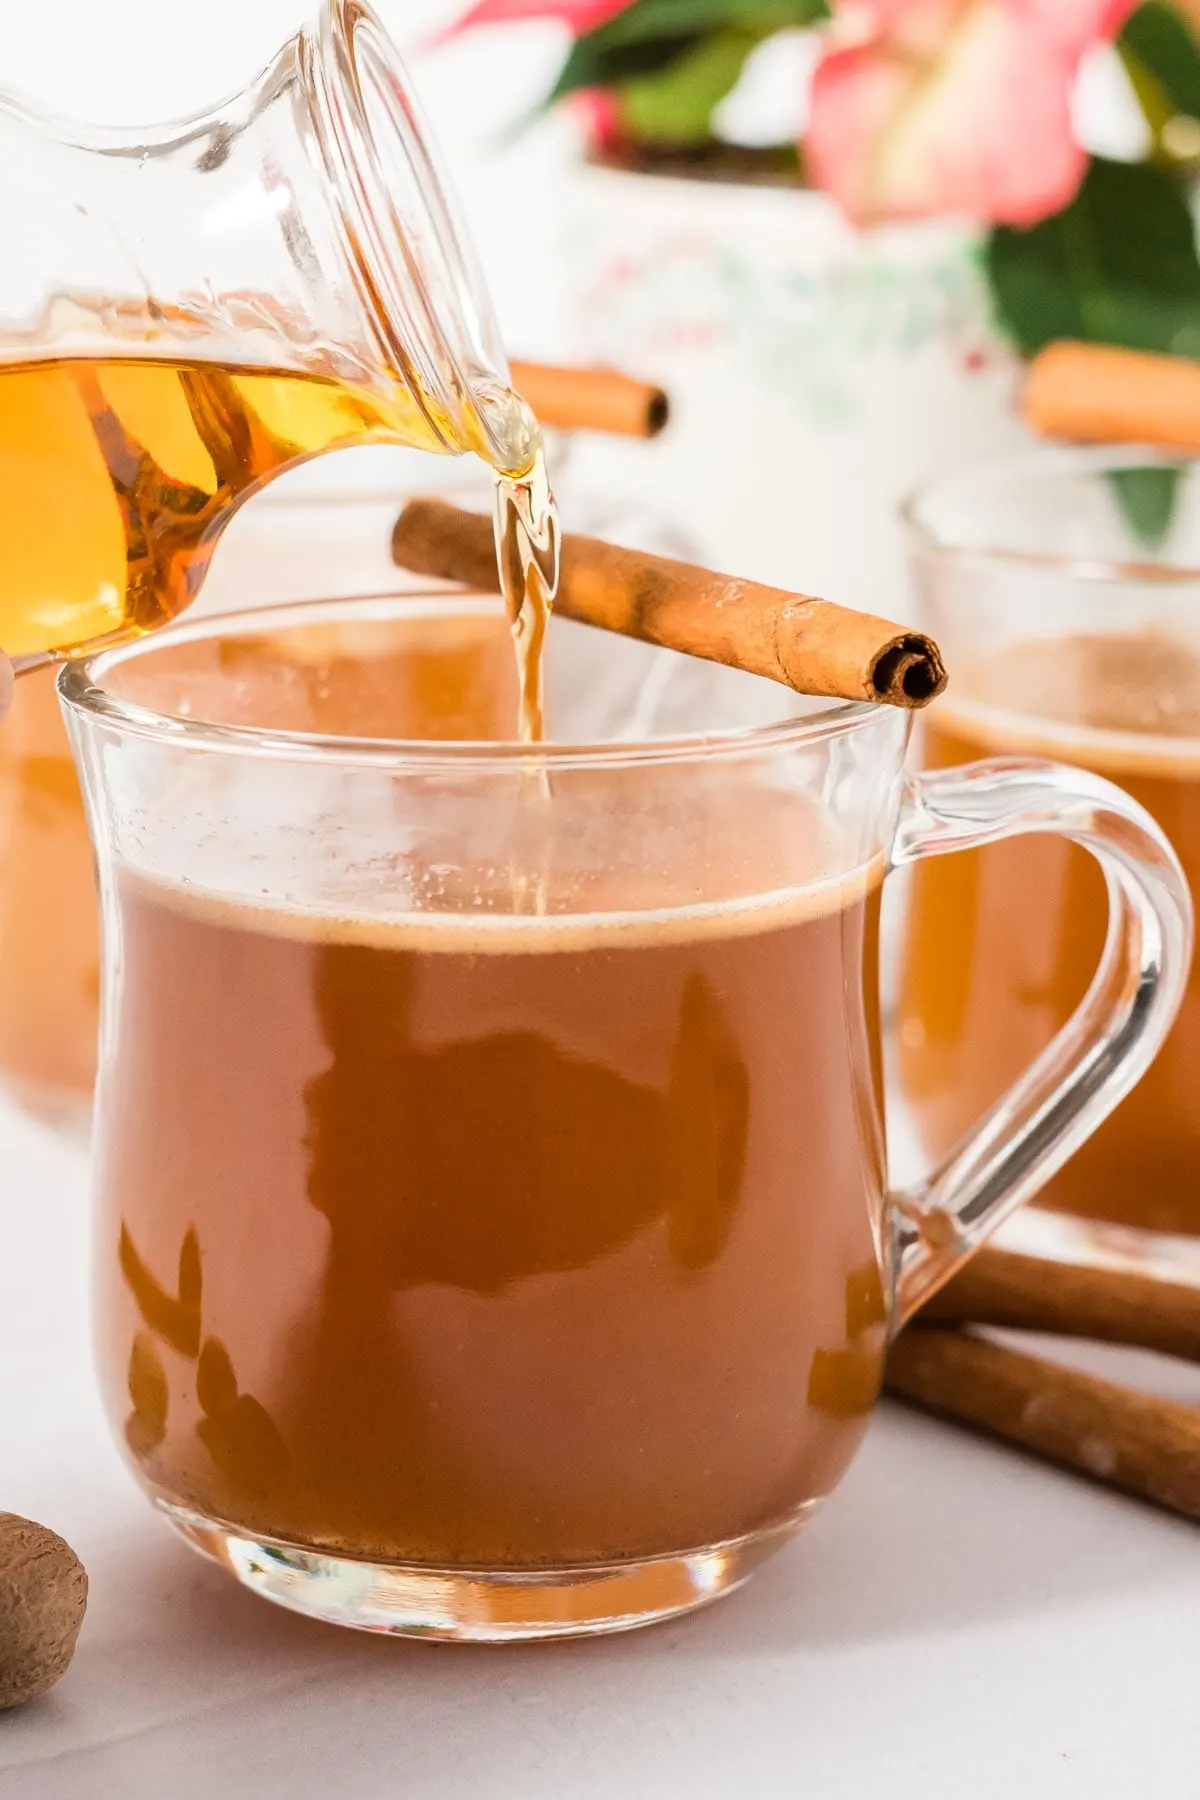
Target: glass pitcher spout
(188,311)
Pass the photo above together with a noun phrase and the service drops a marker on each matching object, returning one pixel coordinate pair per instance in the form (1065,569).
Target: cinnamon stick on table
(592,399)
(1038,1293)
(1128,1440)
(1093,393)
(810,645)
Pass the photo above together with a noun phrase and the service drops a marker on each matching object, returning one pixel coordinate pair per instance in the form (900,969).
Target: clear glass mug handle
(1101,1051)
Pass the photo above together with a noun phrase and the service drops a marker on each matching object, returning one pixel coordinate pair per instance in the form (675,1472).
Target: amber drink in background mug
(493,1234)
(49,948)
(1065,589)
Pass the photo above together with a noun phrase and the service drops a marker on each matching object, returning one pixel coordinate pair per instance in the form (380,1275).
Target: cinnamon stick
(811,645)
(1128,1440)
(1034,1293)
(1093,393)
(592,399)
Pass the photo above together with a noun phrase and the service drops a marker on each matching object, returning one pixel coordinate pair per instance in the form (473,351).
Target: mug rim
(1046,462)
(81,688)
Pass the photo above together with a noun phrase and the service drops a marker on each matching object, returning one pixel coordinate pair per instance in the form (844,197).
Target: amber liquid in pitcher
(1002,943)
(115,478)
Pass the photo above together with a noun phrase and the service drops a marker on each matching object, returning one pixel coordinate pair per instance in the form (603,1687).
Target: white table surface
(959,1624)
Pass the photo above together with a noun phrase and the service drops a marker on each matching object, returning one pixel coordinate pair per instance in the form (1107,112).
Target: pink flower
(579,15)
(958,107)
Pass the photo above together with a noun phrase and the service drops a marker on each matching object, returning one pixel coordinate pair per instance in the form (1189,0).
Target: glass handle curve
(1103,1048)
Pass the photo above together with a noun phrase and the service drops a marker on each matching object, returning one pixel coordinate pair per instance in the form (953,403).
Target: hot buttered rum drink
(479,1240)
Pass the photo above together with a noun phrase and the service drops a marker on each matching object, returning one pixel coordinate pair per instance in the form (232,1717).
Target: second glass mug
(1064,587)
(493,1237)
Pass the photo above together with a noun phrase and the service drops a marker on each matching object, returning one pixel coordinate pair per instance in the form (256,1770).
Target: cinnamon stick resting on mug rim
(1115,1435)
(813,646)
(1093,393)
(592,400)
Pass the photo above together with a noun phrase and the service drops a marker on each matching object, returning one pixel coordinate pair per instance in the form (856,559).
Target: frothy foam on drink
(460,934)
(630,861)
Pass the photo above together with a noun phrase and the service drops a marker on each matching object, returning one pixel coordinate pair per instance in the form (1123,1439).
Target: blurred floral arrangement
(933,108)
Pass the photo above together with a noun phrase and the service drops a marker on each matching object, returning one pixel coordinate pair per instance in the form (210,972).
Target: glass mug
(493,1238)
(1065,590)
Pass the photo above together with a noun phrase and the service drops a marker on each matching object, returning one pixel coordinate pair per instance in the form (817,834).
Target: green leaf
(1147,498)
(689,18)
(1117,266)
(1157,41)
(593,62)
(651,35)
(675,104)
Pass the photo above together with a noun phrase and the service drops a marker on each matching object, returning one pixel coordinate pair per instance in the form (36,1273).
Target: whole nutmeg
(43,1597)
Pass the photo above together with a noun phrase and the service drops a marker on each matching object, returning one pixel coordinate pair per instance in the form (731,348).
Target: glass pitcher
(186,312)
